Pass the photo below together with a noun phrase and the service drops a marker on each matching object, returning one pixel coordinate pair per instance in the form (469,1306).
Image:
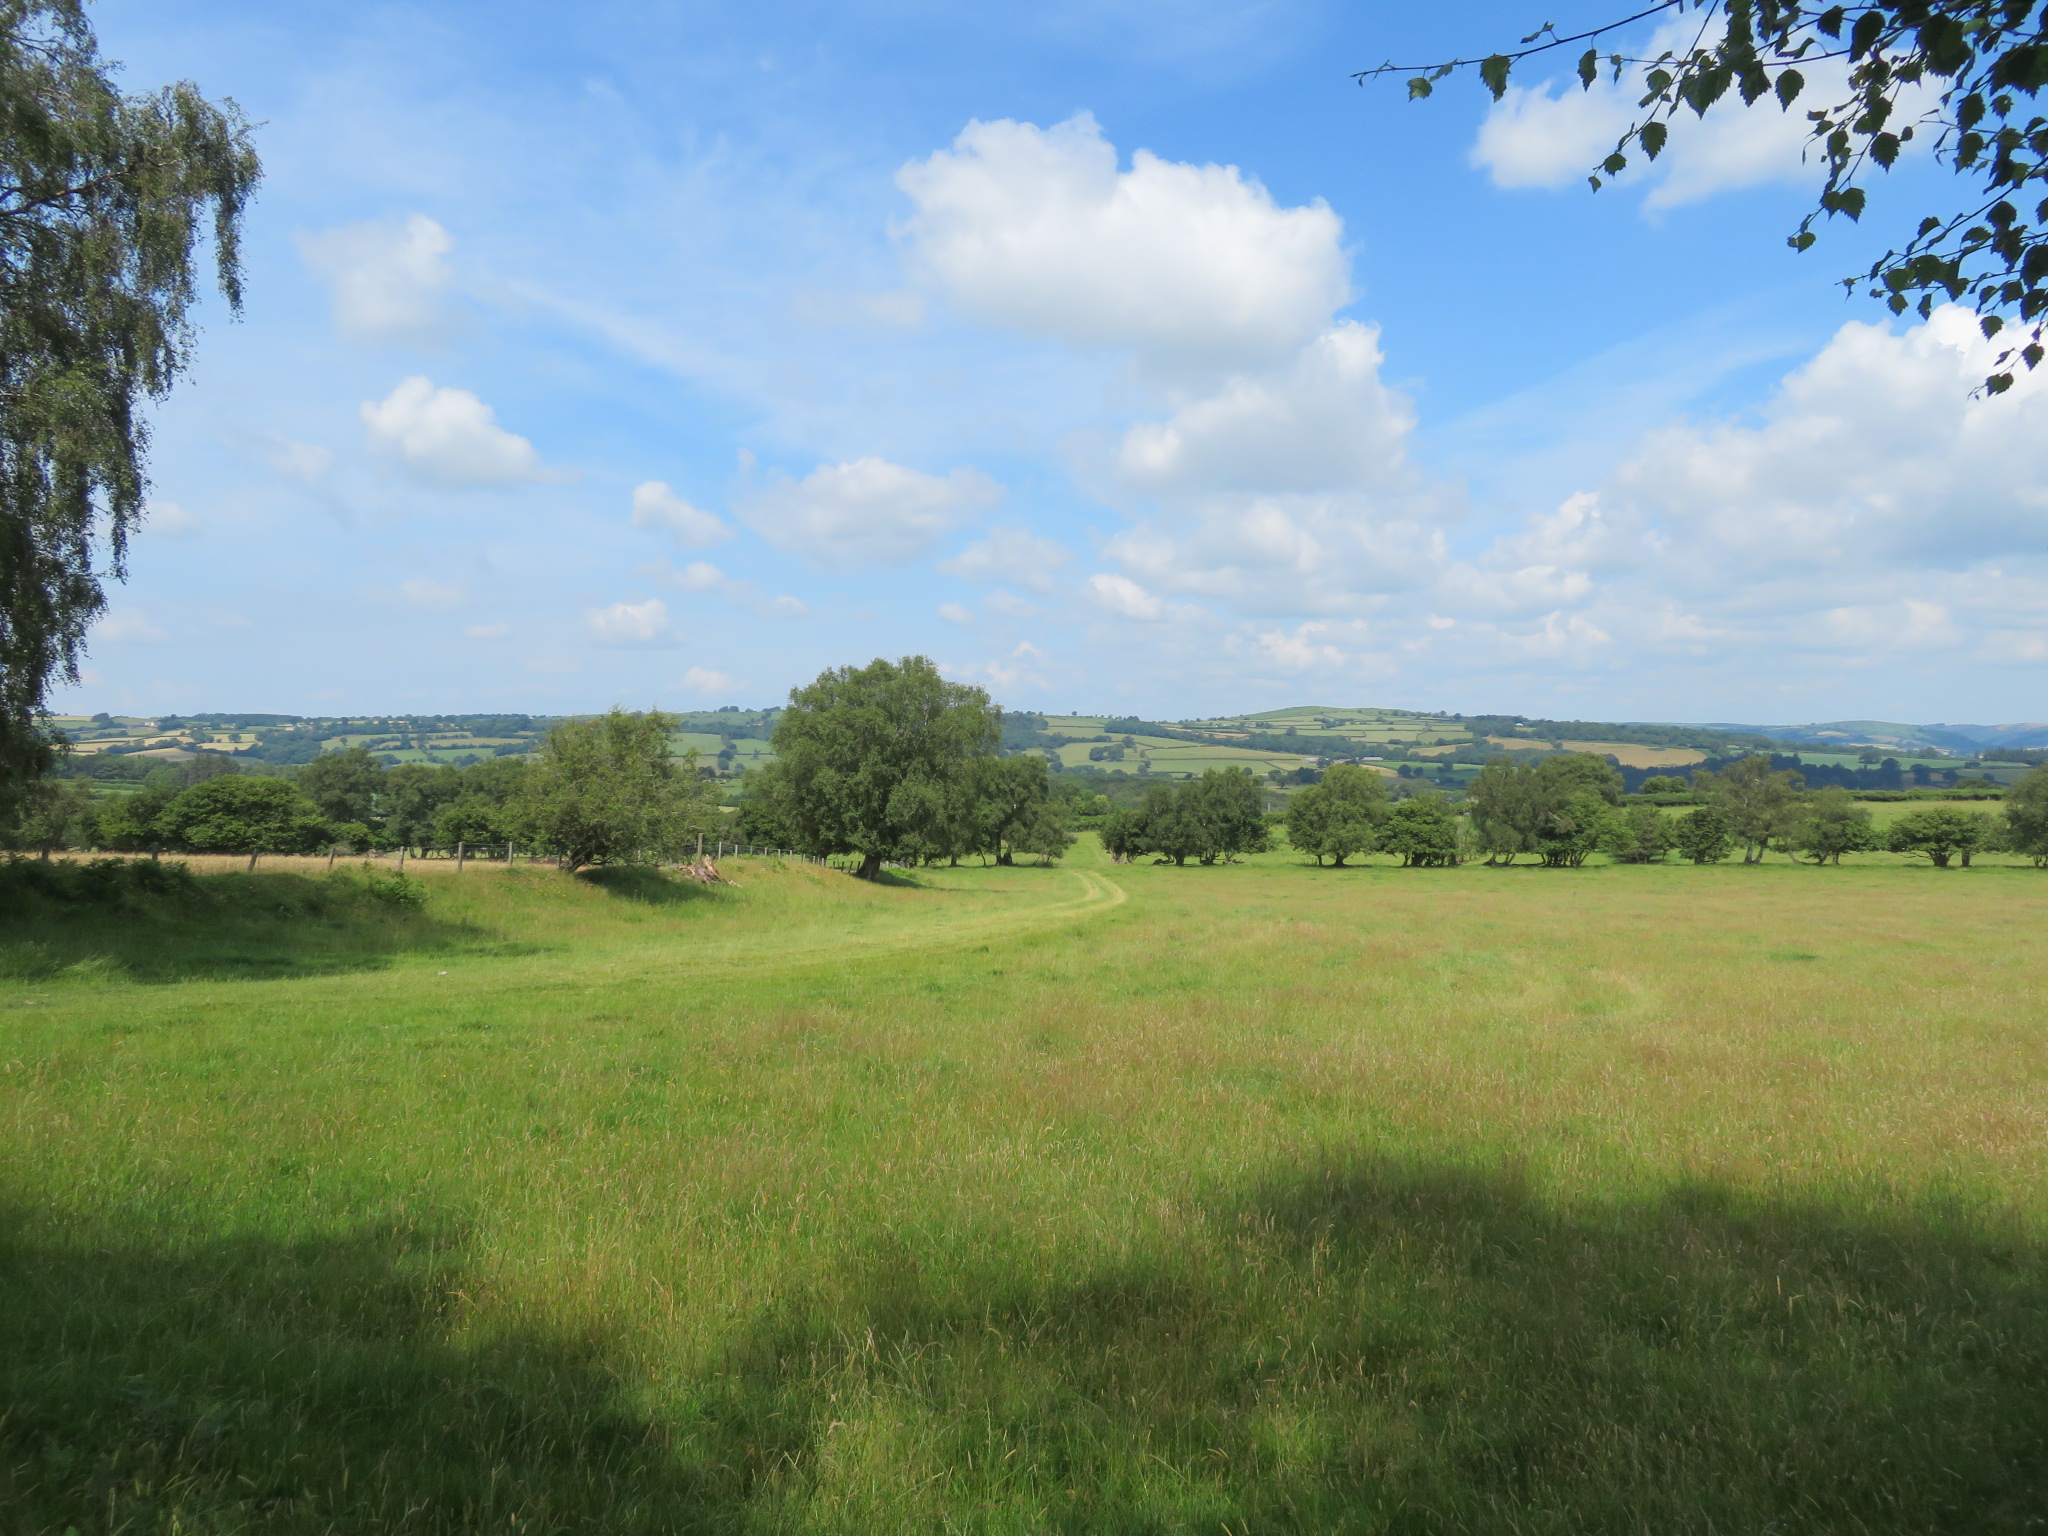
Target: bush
(1939,834)
(1703,837)
(100,883)
(391,889)
(1639,835)
(1423,830)
(234,813)
(1829,825)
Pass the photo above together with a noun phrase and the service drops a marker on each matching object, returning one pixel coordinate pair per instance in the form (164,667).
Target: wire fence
(512,855)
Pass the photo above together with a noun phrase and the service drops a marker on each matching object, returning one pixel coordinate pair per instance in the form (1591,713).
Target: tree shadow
(244,1385)
(152,924)
(644,883)
(1379,1348)
(1351,1347)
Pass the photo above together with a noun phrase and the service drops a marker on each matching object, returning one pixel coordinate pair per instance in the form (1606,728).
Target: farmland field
(1253,1198)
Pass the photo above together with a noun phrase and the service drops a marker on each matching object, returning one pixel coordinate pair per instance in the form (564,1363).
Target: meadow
(1094,1198)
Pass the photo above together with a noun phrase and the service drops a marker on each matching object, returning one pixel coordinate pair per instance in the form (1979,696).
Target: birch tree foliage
(106,200)
(1981,63)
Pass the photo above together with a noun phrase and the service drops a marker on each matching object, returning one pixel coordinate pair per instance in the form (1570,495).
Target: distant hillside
(1963,739)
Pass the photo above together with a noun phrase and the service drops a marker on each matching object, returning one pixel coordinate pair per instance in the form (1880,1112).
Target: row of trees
(1221,815)
(603,790)
(1564,809)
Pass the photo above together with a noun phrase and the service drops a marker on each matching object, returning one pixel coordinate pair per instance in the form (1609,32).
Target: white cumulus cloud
(390,280)
(869,510)
(1555,133)
(449,437)
(629,623)
(655,505)
(1287,490)
(1324,422)
(1123,596)
(702,680)
(1037,229)
(1010,555)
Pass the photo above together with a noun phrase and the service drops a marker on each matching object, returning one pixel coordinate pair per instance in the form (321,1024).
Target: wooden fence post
(460,850)
(252,859)
(401,857)
(332,848)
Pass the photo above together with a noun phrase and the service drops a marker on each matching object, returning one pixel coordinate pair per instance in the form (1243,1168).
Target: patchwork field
(1084,1199)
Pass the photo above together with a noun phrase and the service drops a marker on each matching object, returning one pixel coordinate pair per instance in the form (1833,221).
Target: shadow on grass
(1381,1349)
(143,922)
(244,1386)
(1365,1348)
(643,883)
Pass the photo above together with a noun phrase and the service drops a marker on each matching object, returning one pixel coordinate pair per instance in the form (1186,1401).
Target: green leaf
(1494,71)
(1615,163)
(1589,68)
(1863,36)
(1998,383)
(1829,22)
(1653,136)
(1884,149)
(1990,325)
(1803,241)
(1419,88)
(1790,84)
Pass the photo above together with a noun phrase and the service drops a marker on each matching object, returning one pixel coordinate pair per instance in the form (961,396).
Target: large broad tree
(870,760)
(105,199)
(606,791)
(1828,824)
(239,813)
(1756,802)
(345,785)
(1559,808)
(1939,833)
(1962,75)
(1227,808)
(1423,830)
(1340,817)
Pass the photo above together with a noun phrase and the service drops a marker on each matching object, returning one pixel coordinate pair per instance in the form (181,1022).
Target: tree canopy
(1963,74)
(1340,817)
(606,791)
(238,813)
(104,199)
(871,761)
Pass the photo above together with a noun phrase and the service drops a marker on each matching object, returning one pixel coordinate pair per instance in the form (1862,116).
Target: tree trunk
(870,866)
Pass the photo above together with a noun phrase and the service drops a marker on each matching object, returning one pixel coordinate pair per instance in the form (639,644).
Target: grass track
(1267,1199)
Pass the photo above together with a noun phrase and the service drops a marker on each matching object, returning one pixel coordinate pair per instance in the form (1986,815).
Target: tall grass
(1257,1198)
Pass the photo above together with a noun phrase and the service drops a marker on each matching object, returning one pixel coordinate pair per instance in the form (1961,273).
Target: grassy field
(1249,1199)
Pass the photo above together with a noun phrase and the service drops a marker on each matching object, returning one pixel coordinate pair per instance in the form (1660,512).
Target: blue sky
(1117,355)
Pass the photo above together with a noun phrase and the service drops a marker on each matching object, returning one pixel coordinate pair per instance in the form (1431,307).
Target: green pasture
(1136,1199)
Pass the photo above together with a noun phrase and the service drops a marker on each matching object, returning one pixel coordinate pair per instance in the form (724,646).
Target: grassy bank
(1259,1198)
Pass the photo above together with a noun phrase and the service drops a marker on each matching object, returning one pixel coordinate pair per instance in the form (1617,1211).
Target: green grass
(1248,1199)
